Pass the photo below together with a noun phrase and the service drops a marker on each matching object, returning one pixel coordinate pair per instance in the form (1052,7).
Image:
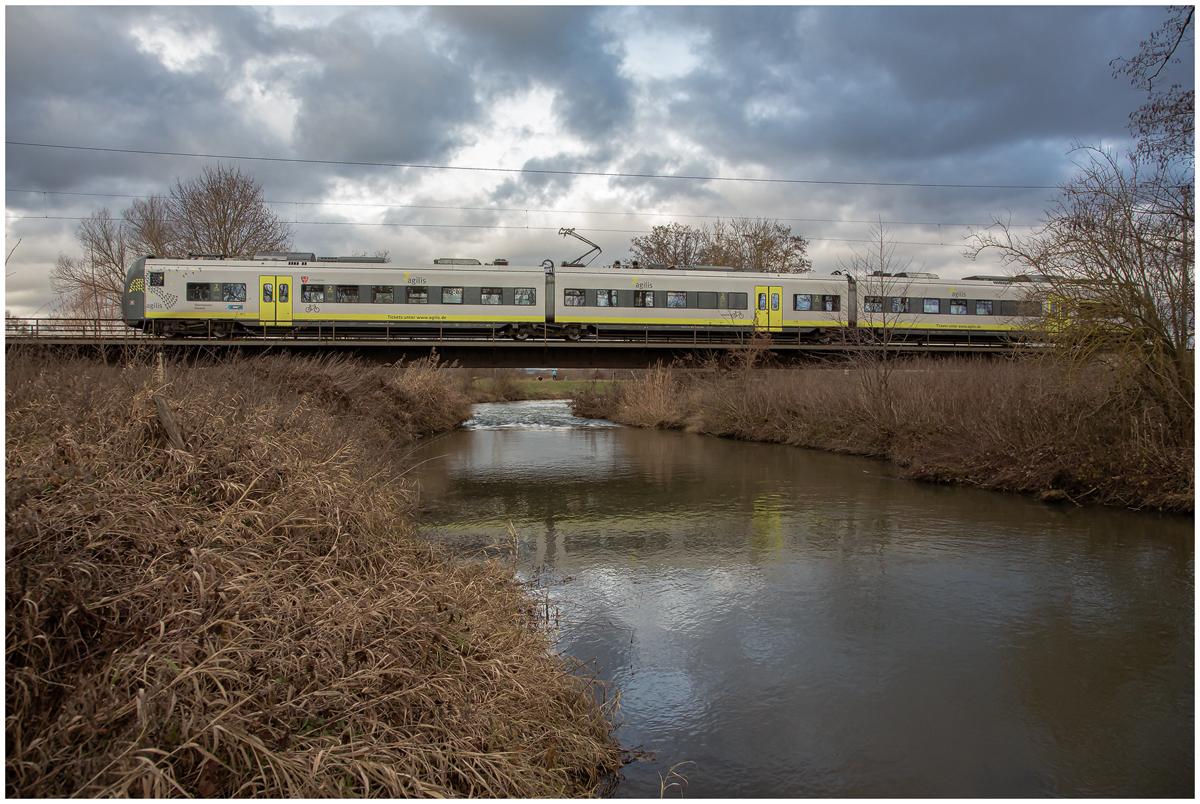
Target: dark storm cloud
(870,87)
(894,94)
(78,76)
(659,192)
(510,49)
(541,187)
(390,97)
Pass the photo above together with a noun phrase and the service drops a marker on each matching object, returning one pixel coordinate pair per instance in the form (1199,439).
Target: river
(782,622)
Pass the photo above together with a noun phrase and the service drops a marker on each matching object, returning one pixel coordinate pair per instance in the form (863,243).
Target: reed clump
(253,615)
(1023,425)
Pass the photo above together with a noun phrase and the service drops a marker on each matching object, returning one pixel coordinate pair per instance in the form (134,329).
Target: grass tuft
(253,615)
(1019,425)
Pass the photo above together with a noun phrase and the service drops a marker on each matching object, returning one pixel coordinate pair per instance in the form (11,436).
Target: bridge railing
(50,328)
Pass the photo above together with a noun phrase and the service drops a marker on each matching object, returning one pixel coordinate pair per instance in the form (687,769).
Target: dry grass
(1018,425)
(252,616)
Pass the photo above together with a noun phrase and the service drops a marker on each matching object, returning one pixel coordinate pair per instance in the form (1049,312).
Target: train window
(312,293)
(452,295)
(762,301)
(676,298)
(283,292)
(418,295)
(233,291)
(347,294)
(738,301)
(775,302)
(643,298)
(933,305)
(1029,308)
(802,302)
(983,307)
(606,298)
(525,296)
(268,290)
(958,307)
(382,294)
(574,297)
(900,304)
(872,304)
(156,279)
(491,295)
(199,291)
(832,304)
(706,300)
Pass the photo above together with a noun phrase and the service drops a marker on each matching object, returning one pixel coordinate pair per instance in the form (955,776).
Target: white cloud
(178,52)
(263,97)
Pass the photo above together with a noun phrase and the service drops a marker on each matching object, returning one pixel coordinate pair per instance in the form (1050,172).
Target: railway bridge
(616,350)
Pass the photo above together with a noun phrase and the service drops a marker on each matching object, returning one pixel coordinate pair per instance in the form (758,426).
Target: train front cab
(133,299)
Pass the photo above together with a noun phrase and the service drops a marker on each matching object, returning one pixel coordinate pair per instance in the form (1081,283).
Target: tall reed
(1018,425)
(253,615)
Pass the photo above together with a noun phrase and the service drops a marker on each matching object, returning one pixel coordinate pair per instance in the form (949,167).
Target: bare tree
(1118,252)
(754,244)
(222,211)
(885,301)
(675,244)
(745,244)
(90,286)
(1165,126)
(380,254)
(149,228)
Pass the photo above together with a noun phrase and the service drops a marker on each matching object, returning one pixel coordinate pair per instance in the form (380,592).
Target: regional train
(277,293)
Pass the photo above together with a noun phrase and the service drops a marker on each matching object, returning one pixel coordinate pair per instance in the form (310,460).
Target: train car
(296,291)
(695,300)
(275,293)
(802,306)
(923,307)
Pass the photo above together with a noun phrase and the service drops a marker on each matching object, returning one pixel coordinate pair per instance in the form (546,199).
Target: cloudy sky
(480,131)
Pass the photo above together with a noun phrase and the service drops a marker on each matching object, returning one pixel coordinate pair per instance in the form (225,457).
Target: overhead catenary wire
(536,171)
(495,227)
(455,208)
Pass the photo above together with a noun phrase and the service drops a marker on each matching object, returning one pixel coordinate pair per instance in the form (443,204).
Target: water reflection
(806,624)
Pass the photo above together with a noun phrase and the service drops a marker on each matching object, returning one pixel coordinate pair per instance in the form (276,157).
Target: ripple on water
(541,414)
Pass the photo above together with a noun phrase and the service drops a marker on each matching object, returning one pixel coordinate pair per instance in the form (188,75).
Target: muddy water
(803,624)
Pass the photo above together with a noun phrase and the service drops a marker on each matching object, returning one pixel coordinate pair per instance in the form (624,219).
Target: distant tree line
(744,244)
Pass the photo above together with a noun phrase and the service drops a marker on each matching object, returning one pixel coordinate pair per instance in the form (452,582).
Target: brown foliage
(1020,425)
(253,616)
(744,244)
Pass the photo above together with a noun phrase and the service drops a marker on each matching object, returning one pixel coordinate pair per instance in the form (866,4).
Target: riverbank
(1015,425)
(504,386)
(252,614)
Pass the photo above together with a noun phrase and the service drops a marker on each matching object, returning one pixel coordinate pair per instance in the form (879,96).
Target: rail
(92,330)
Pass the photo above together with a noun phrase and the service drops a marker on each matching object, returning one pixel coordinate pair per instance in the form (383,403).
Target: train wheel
(520,334)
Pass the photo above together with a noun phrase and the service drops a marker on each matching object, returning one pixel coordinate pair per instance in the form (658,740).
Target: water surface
(803,624)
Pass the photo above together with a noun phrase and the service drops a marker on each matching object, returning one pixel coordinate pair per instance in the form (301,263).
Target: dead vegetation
(1018,425)
(251,616)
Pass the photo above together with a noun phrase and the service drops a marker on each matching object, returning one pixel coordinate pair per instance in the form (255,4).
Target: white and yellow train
(277,292)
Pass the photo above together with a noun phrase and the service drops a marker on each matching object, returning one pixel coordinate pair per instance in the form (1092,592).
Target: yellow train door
(283,300)
(266,300)
(768,308)
(274,300)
